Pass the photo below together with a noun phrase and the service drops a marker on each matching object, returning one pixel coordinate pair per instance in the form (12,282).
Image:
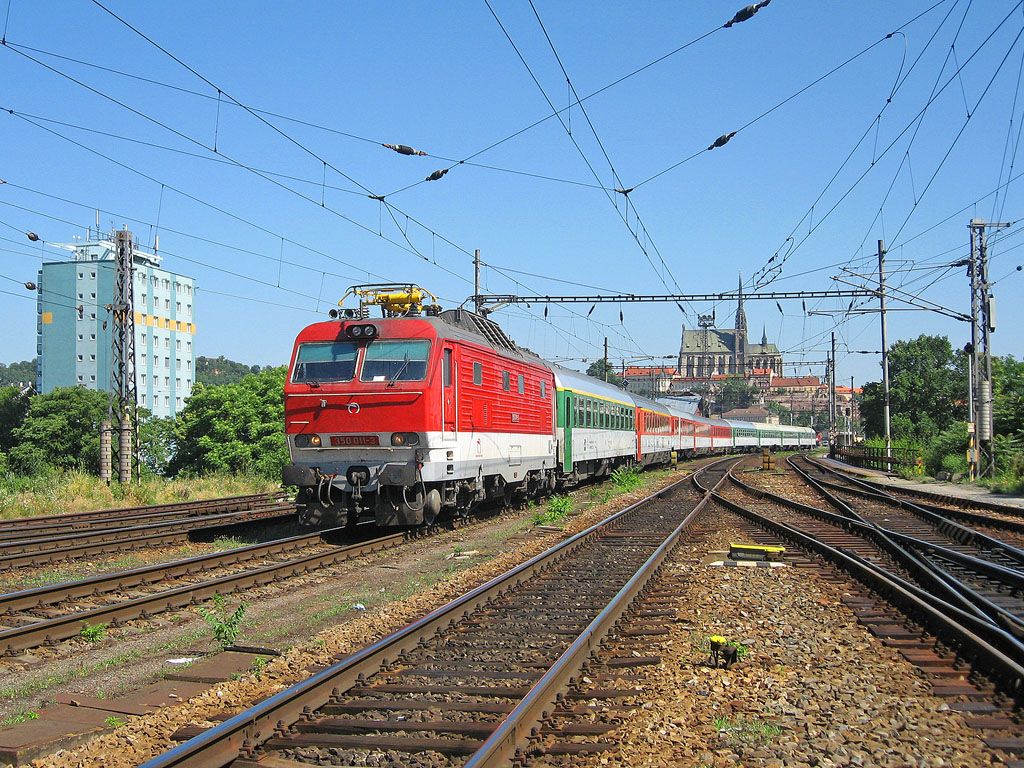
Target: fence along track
(475,676)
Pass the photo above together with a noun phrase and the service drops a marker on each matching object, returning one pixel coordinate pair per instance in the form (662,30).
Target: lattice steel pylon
(123,393)
(982,327)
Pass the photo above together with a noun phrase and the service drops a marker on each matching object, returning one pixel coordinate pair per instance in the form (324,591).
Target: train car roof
(652,405)
(742,424)
(588,385)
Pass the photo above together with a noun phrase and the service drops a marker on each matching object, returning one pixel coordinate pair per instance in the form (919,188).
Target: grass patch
(115,722)
(627,479)
(557,509)
(226,624)
(19,718)
(51,494)
(93,633)
(222,543)
(746,732)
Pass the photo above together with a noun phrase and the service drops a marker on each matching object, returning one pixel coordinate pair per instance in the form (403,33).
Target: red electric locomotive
(392,419)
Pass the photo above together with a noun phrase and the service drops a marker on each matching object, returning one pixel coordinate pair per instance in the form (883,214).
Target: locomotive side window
(522,384)
(478,373)
(325,362)
(506,378)
(543,390)
(395,361)
(446,368)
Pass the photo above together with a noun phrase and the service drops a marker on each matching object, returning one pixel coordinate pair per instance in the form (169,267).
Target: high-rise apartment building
(74,327)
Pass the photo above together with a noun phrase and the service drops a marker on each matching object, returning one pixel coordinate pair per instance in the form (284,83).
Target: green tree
(156,442)
(61,430)
(597,369)
(13,407)
(233,428)
(927,390)
(736,392)
(221,370)
(1008,394)
(18,374)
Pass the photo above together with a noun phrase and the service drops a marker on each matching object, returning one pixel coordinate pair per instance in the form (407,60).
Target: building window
(143,378)
(177,382)
(143,398)
(81,275)
(79,377)
(188,383)
(177,344)
(92,357)
(80,337)
(79,358)
(92,336)
(179,307)
(92,296)
(167,381)
(167,400)
(92,316)
(80,296)
(188,346)
(167,362)
(92,377)
(92,275)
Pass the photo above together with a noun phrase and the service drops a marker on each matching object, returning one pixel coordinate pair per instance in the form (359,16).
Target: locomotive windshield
(395,361)
(320,362)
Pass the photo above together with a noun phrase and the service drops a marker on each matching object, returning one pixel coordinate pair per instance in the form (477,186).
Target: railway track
(73,521)
(34,550)
(471,683)
(46,615)
(974,666)
(995,520)
(983,596)
(986,541)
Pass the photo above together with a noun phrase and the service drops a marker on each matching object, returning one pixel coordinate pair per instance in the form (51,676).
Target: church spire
(741,316)
(764,336)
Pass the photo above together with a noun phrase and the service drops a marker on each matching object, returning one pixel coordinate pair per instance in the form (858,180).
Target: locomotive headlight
(405,438)
(307,441)
(314,440)
(356,331)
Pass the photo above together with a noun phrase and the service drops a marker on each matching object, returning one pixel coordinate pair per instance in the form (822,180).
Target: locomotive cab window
(395,361)
(325,362)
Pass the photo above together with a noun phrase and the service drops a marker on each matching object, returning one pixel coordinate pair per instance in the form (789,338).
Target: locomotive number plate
(354,440)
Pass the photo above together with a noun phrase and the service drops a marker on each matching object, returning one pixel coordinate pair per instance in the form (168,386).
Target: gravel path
(816,688)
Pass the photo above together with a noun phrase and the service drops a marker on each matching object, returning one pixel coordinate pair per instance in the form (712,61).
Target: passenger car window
(325,362)
(395,361)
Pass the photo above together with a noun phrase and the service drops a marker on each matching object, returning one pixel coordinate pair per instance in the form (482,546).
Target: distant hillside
(18,374)
(220,370)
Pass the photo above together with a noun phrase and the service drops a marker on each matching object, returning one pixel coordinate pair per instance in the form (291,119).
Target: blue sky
(444,78)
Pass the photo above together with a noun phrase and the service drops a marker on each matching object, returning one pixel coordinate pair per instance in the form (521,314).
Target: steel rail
(958,597)
(69,625)
(96,527)
(947,527)
(928,573)
(970,634)
(948,506)
(136,538)
(50,594)
(243,733)
(516,730)
(226,504)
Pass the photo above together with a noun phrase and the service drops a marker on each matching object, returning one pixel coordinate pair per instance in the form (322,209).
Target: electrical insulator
(32,236)
(437,175)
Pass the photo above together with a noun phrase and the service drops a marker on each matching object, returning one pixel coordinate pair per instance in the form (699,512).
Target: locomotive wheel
(311,515)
